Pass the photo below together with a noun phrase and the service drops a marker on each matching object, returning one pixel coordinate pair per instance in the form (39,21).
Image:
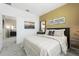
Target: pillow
(47,31)
(51,33)
(59,32)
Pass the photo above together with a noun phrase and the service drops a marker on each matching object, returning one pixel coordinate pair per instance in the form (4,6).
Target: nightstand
(40,32)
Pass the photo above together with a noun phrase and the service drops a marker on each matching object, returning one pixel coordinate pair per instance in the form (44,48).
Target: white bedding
(45,45)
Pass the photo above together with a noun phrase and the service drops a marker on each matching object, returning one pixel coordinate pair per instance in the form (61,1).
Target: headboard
(66,33)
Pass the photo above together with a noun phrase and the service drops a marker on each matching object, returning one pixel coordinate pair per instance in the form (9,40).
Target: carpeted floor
(12,49)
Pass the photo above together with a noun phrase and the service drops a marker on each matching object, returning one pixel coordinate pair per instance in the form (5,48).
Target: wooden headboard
(66,33)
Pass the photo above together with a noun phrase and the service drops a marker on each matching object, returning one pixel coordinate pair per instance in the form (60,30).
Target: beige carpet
(10,48)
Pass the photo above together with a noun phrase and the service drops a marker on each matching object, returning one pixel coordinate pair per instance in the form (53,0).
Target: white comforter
(45,45)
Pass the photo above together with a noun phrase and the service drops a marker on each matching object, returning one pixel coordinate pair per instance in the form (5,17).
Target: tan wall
(71,14)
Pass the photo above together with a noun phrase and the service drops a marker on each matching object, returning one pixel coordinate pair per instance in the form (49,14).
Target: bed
(45,45)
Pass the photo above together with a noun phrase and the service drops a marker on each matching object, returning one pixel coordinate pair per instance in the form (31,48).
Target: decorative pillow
(59,32)
(51,33)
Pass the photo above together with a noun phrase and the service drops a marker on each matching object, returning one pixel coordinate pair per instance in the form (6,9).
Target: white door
(1,32)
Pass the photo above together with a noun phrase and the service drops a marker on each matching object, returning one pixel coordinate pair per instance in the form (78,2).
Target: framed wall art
(29,25)
(59,20)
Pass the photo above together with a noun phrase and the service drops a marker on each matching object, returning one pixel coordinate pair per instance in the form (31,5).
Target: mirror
(43,26)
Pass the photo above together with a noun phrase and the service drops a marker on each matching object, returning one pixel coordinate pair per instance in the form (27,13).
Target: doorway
(9,29)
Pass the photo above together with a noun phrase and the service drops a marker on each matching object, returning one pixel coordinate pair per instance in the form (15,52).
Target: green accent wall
(70,12)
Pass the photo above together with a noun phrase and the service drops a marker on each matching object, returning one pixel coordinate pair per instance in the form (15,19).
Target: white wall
(1,41)
(21,32)
(20,16)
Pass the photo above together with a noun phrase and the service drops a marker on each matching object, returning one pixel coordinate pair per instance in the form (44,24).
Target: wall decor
(29,25)
(59,20)
(43,26)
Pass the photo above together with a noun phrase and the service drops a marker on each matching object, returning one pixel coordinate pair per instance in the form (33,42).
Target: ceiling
(37,8)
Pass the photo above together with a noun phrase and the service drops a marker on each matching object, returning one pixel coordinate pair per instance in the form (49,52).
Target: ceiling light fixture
(27,10)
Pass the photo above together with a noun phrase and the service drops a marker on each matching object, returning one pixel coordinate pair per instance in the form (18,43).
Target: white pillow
(59,32)
(47,31)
